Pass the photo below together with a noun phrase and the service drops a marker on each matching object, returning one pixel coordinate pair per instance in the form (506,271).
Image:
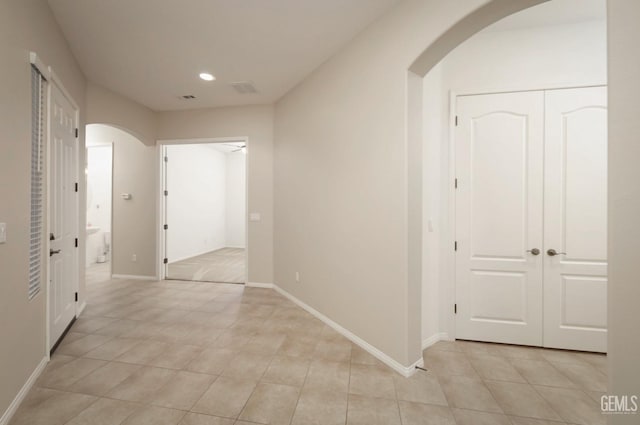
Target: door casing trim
(54,79)
(448,277)
(161,145)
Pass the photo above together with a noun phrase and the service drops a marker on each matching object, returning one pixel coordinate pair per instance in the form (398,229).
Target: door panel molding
(575,284)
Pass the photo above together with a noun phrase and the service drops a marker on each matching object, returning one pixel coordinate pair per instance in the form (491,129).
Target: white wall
(343,162)
(532,58)
(236,200)
(99,170)
(434,153)
(107,107)
(624,202)
(196,205)
(99,163)
(573,54)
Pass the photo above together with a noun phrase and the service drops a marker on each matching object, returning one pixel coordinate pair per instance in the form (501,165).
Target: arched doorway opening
(120,205)
(504,59)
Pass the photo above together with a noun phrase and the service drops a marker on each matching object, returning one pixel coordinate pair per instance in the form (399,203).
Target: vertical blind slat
(37,137)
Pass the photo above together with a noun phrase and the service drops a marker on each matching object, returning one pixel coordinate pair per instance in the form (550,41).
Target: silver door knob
(534,251)
(552,252)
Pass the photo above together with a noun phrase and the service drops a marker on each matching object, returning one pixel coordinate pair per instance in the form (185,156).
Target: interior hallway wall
(341,176)
(435,153)
(25,26)
(236,200)
(624,202)
(196,205)
(529,58)
(107,107)
(256,123)
(135,168)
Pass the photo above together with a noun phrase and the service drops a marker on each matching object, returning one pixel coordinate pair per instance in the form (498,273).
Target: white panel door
(63,214)
(499,166)
(575,190)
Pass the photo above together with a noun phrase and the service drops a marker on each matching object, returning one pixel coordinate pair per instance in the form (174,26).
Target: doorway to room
(99,174)
(204,211)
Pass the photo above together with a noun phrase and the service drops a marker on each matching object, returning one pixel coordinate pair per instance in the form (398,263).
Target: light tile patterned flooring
(223,265)
(169,353)
(98,272)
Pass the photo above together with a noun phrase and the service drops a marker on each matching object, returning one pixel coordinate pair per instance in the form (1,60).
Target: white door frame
(447,254)
(161,144)
(52,78)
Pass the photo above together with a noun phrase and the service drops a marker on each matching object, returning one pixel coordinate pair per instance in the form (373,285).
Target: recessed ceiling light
(206,76)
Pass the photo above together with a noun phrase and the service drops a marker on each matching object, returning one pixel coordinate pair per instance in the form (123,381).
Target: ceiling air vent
(244,87)
(188,97)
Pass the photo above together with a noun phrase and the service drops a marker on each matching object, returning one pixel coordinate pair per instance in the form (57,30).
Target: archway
(127,239)
(431,57)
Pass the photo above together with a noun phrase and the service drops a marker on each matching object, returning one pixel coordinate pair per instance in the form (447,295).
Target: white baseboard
(258,285)
(81,308)
(401,369)
(418,363)
(13,407)
(428,342)
(133,277)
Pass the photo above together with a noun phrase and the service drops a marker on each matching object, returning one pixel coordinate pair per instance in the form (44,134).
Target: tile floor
(169,353)
(223,265)
(98,272)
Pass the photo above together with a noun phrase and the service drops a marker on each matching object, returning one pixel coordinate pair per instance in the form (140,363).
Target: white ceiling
(555,12)
(152,51)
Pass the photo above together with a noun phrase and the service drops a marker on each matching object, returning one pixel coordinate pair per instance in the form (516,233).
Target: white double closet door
(531,218)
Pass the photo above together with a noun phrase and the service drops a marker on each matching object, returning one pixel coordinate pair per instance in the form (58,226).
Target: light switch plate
(254,217)
(3,232)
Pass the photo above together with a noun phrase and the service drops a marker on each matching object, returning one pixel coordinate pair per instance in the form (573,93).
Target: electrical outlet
(297,277)
(134,258)
(3,232)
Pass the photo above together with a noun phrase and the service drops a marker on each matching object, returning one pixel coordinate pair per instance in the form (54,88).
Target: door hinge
(166,226)
(456,120)
(76,133)
(165,261)
(166,159)
(455,309)
(76,242)
(76,187)
(456,183)
(76,297)
(455,245)
(166,193)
